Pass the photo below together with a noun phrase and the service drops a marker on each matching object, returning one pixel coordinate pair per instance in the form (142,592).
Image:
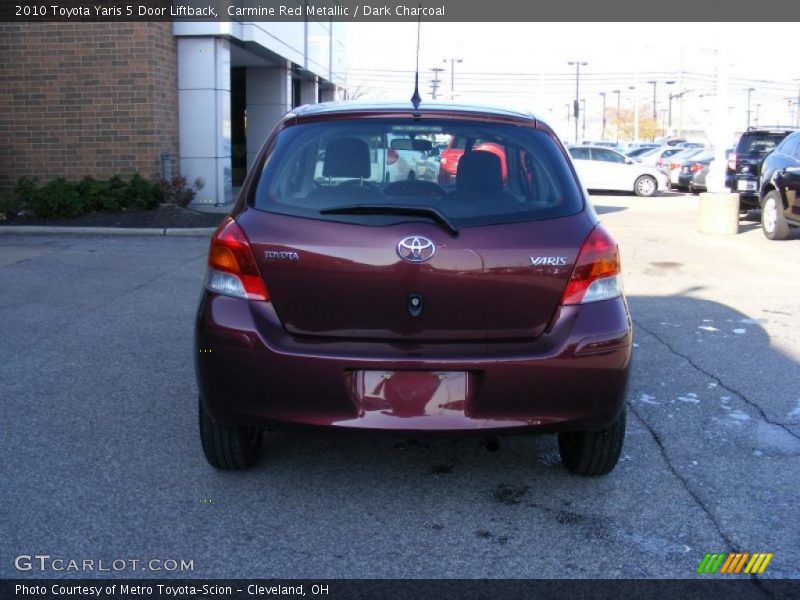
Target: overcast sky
(524,65)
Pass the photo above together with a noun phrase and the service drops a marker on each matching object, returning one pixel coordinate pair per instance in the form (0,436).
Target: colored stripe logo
(735,562)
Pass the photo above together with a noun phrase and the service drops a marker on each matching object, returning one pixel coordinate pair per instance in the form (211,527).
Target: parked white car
(605,169)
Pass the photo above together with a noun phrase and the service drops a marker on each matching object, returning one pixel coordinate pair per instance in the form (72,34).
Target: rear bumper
(574,377)
(747,188)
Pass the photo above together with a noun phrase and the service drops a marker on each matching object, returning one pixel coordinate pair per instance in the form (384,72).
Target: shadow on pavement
(603,210)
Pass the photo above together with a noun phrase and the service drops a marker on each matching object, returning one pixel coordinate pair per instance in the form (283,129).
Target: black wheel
(592,452)
(645,186)
(226,447)
(773,223)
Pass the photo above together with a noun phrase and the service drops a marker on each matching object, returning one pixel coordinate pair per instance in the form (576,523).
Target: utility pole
(453,62)
(655,99)
(655,83)
(568,114)
(618,93)
(749,91)
(758,110)
(797,115)
(680,106)
(435,81)
(576,104)
(603,131)
(583,126)
(790,108)
(671,98)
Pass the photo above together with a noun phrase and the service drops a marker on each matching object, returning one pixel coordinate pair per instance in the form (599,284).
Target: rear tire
(645,186)
(773,223)
(592,452)
(228,448)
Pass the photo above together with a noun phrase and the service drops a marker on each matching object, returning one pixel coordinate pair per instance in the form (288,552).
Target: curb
(125,231)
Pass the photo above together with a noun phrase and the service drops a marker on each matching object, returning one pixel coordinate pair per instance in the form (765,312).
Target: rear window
(504,174)
(759,142)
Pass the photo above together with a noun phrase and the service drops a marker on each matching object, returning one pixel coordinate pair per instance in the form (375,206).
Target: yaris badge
(416,249)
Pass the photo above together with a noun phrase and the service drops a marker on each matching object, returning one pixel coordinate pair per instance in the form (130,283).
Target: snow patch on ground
(691,398)
(738,415)
(739,331)
(647,399)
(776,440)
(795,414)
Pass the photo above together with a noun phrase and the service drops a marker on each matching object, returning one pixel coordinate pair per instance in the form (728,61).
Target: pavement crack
(683,481)
(719,381)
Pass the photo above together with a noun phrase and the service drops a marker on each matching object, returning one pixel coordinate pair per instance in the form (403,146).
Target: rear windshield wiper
(383,209)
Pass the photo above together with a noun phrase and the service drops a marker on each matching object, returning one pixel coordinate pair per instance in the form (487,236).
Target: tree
(353,93)
(623,122)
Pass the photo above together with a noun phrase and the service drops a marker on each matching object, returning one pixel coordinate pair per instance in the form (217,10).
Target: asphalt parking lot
(102,457)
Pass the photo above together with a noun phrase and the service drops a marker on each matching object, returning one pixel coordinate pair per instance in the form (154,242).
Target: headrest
(347,157)
(479,170)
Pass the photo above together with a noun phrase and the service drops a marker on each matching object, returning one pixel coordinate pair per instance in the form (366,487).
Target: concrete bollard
(719,213)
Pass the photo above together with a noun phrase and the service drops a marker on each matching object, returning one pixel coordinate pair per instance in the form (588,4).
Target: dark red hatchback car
(340,297)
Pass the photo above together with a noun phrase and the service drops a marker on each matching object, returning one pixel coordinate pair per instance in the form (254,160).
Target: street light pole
(758,110)
(568,113)
(655,83)
(603,131)
(797,115)
(583,126)
(435,81)
(453,62)
(672,97)
(618,93)
(576,103)
(655,100)
(749,91)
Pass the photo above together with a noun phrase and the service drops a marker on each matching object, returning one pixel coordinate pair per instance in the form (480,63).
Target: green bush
(25,189)
(143,194)
(10,205)
(95,195)
(62,199)
(57,199)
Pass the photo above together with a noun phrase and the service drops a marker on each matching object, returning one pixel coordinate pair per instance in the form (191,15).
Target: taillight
(392,156)
(732,162)
(696,167)
(232,269)
(596,274)
(674,165)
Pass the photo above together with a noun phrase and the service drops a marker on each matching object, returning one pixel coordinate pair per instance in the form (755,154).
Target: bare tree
(353,93)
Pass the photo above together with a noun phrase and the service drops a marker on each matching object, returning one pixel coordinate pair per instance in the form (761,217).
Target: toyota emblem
(416,249)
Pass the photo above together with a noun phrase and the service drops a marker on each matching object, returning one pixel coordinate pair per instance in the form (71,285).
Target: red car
(448,161)
(490,305)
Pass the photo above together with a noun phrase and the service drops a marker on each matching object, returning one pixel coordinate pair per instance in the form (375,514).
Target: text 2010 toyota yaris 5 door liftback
(337,296)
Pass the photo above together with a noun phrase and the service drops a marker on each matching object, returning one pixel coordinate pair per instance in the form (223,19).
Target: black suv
(744,165)
(780,189)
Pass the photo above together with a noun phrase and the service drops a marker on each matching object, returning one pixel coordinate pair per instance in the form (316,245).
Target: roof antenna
(416,98)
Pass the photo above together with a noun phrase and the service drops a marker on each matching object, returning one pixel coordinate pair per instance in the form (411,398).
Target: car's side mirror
(628,161)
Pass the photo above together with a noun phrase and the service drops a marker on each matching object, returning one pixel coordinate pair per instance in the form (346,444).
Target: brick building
(100,99)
